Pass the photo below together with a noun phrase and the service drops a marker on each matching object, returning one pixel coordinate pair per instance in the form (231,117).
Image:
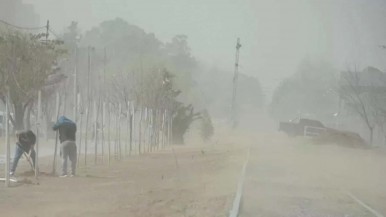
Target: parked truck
(321,134)
(302,127)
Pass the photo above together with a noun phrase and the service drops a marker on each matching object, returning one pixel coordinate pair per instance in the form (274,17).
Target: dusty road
(291,177)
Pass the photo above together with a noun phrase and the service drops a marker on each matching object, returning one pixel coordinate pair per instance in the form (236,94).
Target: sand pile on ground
(341,138)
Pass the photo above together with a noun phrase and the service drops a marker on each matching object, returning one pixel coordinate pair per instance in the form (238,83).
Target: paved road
(290,177)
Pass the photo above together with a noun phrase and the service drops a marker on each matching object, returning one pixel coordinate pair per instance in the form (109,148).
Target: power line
(53,33)
(23,28)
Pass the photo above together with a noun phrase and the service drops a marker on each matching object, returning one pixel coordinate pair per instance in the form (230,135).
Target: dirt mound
(342,138)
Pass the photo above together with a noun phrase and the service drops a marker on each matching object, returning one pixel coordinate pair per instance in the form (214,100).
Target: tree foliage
(310,91)
(135,66)
(26,61)
(249,92)
(183,118)
(207,129)
(214,87)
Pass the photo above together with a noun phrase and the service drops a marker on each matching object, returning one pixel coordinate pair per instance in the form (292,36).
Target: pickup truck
(303,127)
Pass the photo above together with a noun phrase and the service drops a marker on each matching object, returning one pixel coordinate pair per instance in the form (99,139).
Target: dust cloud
(164,118)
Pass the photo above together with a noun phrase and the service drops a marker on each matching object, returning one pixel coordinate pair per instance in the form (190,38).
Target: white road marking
(236,202)
(376,213)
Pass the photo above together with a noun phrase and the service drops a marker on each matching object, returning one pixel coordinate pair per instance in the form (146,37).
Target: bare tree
(364,95)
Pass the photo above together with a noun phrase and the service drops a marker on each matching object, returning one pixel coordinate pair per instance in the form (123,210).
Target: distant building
(18,13)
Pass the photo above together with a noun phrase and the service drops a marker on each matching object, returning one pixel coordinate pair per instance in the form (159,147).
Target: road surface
(290,177)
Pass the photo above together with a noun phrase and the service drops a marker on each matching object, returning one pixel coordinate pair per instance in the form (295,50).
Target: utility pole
(235,82)
(89,50)
(88,102)
(103,105)
(104,71)
(37,134)
(76,83)
(47,30)
(57,134)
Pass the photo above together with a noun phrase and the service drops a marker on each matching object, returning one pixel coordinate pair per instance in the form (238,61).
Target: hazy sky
(276,34)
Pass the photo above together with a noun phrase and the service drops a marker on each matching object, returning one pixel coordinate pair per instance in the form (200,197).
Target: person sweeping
(24,145)
(67,132)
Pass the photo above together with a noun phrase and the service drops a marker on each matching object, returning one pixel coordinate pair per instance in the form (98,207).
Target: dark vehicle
(304,127)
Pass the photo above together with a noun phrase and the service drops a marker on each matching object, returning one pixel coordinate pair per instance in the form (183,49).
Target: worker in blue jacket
(67,133)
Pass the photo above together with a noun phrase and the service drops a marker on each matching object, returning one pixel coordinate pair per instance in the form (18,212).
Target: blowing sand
(192,180)
(292,177)
(285,177)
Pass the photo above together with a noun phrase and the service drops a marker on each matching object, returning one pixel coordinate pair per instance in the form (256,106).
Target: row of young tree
(345,100)
(115,62)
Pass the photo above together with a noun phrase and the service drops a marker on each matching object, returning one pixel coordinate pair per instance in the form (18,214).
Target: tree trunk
(178,133)
(384,140)
(19,116)
(28,118)
(178,138)
(47,114)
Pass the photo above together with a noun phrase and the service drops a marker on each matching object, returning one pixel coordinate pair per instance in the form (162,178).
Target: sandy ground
(193,180)
(291,177)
